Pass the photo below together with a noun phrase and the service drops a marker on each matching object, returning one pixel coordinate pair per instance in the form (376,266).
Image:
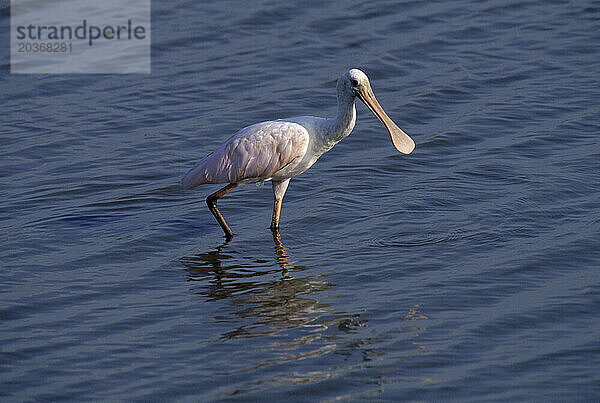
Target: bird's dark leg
(276,213)
(211,201)
(279,188)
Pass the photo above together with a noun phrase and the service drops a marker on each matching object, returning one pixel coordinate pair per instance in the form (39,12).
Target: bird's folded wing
(253,154)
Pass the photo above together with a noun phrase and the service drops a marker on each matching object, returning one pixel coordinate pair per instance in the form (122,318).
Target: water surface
(467,270)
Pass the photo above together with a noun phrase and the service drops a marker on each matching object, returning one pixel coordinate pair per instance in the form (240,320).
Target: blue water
(468,270)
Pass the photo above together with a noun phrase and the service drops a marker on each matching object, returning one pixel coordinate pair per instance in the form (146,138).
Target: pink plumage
(254,154)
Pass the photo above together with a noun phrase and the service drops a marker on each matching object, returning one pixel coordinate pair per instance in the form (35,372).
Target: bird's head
(356,83)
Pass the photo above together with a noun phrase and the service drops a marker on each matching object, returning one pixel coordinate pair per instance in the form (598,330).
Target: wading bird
(278,150)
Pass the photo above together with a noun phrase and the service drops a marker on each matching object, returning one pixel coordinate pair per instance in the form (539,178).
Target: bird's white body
(274,150)
(281,149)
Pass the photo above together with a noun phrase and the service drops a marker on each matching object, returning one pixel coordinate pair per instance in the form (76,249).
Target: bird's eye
(354,83)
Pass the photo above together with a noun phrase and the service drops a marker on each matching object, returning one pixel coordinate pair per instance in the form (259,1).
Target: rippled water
(467,270)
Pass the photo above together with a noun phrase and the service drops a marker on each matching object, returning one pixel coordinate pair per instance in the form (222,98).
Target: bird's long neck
(343,123)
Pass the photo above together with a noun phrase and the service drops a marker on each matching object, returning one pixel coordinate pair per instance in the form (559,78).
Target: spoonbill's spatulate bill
(278,150)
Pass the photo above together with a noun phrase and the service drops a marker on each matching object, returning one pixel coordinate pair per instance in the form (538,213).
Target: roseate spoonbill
(280,149)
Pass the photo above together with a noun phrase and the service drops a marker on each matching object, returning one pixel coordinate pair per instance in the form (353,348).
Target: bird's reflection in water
(273,295)
(283,259)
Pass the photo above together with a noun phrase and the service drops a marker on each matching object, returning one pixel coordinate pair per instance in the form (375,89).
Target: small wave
(414,240)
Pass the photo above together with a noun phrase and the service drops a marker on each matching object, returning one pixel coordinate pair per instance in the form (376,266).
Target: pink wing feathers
(254,154)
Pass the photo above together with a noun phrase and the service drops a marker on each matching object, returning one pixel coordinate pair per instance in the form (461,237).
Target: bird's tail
(192,179)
